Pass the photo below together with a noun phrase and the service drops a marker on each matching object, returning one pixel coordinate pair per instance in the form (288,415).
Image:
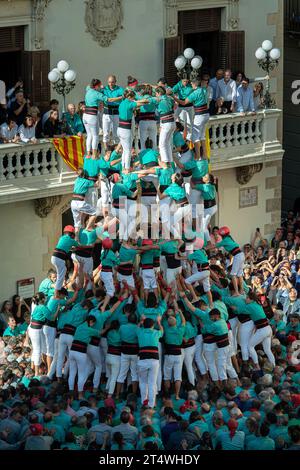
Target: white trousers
(264,336)
(245,333)
(113,363)
(103,351)
(197,207)
(208,214)
(165,141)
(64,346)
(210,356)
(61,269)
(173,367)
(50,335)
(238,265)
(93,353)
(87,265)
(91,124)
(186,116)
(35,336)
(224,363)
(180,214)
(79,366)
(201,276)
(106,189)
(188,359)
(128,279)
(234,323)
(110,124)
(128,362)
(171,274)
(125,137)
(199,358)
(92,197)
(108,281)
(52,370)
(78,208)
(148,371)
(149,279)
(199,127)
(148,129)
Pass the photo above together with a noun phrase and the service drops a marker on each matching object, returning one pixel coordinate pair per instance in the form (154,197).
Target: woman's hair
(179,126)
(95,82)
(252,296)
(179,179)
(146,90)
(129,94)
(118,439)
(38,298)
(149,143)
(148,430)
(4,305)
(160,90)
(34,110)
(26,119)
(52,112)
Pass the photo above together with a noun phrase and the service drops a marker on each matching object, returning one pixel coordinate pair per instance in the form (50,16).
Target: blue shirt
(244,98)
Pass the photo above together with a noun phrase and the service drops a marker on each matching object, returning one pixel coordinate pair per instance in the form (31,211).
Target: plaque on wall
(248,197)
(26,288)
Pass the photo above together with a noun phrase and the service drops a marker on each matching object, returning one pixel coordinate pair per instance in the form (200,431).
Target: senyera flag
(71,149)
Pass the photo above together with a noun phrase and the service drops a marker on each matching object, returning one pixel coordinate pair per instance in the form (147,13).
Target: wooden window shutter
(232,50)
(172,50)
(36,66)
(12,39)
(198,21)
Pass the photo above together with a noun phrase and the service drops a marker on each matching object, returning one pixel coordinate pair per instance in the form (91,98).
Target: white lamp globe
(53,76)
(260,54)
(267,45)
(189,53)
(275,53)
(196,62)
(180,62)
(62,66)
(70,76)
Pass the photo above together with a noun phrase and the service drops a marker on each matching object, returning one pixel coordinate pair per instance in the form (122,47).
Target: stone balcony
(37,170)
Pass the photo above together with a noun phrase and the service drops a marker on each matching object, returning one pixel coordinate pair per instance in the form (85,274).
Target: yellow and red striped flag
(207,138)
(71,150)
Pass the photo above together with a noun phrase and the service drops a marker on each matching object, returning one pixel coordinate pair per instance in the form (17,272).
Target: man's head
(124,417)
(54,105)
(214,314)
(219,74)
(227,75)
(51,275)
(20,97)
(195,83)
(293,295)
(12,323)
(71,109)
(245,83)
(112,81)
(185,81)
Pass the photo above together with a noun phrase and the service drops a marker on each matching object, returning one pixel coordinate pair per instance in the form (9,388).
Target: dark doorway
(66,218)
(10,68)
(205,45)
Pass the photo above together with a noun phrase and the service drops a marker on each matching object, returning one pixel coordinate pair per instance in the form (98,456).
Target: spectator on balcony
(239,76)
(54,106)
(19,308)
(34,112)
(27,131)
(11,93)
(73,121)
(19,108)
(9,131)
(258,95)
(244,96)
(2,101)
(5,314)
(226,89)
(80,111)
(52,127)
(213,83)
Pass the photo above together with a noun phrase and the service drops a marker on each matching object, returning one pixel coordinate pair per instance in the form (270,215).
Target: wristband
(168,289)
(120,299)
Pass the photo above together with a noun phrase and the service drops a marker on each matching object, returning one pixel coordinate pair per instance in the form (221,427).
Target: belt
(147,117)
(188,105)
(172,262)
(78,197)
(68,330)
(36,325)
(168,117)
(243,318)
(129,348)
(92,178)
(149,192)
(79,346)
(172,349)
(201,110)
(92,110)
(190,342)
(50,323)
(235,251)
(222,341)
(117,205)
(182,202)
(147,266)
(186,173)
(95,341)
(196,180)
(60,254)
(209,203)
(262,323)
(84,252)
(126,268)
(163,187)
(148,352)
(208,338)
(125,124)
(106,269)
(151,164)
(203,266)
(184,148)
(115,350)
(111,111)
(156,261)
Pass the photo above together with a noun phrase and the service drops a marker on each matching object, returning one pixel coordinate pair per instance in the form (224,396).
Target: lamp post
(63,80)
(188,64)
(267,59)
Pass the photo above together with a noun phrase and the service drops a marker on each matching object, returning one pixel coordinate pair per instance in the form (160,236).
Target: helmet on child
(224,231)
(107,244)
(69,229)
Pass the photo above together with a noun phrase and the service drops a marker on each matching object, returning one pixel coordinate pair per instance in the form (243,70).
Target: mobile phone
(258,229)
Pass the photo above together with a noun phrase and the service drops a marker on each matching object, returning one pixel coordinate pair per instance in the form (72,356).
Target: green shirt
(173,334)
(261,443)
(227,243)
(127,254)
(12,332)
(198,97)
(148,156)
(109,259)
(199,256)
(74,123)
(87,238)
(40,313)
(150,107)
(169,247)
(94,97)
(126,109)
(255,311)
(65,243)
(176,192)
(147,257)
(148,337)
(52,306)
(74,317)
(84,333)
(165,105)
(182,91)
(190,331)
(208,191)
(46,287)
(199,168)
(128,333)
(101,318)
(91,166)
(120,190)
(164,176)
(82,185)
(151,312)
(129,180)
(115,92)
(113,338)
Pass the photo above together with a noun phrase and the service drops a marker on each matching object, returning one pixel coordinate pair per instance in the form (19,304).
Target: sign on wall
(248,197)
(26,288)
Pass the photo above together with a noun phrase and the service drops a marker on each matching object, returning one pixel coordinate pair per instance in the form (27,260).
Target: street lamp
(63,80)
(267,59)
(188,64)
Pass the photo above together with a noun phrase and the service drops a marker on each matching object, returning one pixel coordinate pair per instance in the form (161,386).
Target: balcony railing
(29,171)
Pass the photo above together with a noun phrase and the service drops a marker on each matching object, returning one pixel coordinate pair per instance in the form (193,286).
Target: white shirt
(8,133)
(2,92)
(26,133)
(226,90)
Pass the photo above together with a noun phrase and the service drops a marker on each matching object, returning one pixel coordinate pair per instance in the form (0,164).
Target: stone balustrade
(28,171)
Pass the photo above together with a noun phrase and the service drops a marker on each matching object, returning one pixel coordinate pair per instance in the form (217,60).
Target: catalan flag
(71,149)
(207,138)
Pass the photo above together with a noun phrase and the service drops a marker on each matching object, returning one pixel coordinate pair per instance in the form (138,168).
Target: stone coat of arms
(103,19)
